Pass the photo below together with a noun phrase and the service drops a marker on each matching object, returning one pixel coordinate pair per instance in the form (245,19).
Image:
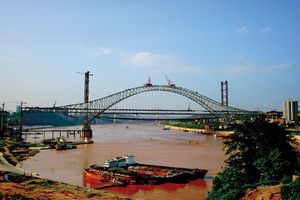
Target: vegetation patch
(291,191)
(259,153)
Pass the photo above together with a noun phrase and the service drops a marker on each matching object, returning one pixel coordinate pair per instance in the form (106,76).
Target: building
(273,114)
(18,109)
(290,111)
(275,117)
(3,122)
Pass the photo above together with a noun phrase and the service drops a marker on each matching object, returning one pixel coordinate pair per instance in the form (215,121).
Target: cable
(60,94)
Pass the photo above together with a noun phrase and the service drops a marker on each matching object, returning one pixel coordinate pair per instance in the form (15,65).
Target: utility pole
(21,119)
(2,125)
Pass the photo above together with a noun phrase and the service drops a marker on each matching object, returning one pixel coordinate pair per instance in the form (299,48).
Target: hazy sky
(255,45)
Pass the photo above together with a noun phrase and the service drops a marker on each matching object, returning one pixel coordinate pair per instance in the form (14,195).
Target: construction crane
(170,83)
(148,83)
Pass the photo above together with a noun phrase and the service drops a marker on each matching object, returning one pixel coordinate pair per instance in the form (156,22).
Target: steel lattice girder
(102,104)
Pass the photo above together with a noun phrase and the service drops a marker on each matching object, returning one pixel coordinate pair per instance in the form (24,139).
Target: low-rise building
(277,121)
(275,117)
(273,114)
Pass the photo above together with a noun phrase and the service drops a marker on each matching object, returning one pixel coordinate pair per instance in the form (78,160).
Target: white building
(18,109)
(290,110)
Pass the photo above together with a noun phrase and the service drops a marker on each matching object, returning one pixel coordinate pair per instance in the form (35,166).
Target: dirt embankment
(21,187)
(271,192)
(15,151)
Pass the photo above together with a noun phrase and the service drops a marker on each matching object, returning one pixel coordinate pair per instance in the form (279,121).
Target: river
(150,144)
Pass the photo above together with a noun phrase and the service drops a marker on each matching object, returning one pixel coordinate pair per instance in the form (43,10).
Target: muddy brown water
(149,143)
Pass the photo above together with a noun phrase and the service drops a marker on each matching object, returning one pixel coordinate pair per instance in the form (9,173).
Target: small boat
(64,146)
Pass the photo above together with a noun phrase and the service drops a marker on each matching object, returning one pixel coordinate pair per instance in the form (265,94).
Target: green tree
(259,152)
(260,148)
(291,191)
(227,185)
(271,166)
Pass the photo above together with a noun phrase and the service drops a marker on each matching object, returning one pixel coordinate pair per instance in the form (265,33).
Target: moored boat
(123,173)
(64,146)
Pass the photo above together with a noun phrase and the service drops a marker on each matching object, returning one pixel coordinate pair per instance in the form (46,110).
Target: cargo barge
(125,171)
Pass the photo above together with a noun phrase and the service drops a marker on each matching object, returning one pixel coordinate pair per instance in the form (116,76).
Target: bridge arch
(105,103)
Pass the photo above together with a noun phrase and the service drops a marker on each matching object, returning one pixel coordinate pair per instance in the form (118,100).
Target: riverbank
(25,187)
(14,150)
(197,130)
(268,192)
(224,134)
(17,183)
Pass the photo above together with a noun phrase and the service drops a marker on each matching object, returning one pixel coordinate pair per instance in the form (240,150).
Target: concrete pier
(86,131)
(54,133)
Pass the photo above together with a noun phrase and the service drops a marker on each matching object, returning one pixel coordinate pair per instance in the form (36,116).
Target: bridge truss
(93,109)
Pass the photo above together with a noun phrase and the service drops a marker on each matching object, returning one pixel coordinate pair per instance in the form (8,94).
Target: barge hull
(140,174)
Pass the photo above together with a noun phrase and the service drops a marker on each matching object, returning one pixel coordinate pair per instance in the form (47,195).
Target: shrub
(291,191)
(227,185)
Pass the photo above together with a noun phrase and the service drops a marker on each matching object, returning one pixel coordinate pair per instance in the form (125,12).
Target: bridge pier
(86,131)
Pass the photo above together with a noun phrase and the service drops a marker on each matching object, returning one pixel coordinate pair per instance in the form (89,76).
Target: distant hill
(42,118)
(55,119)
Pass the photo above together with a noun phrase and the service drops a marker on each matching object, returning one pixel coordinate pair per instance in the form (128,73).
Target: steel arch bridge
(95,108)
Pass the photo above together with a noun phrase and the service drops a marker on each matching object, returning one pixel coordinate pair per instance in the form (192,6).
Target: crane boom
(170,83)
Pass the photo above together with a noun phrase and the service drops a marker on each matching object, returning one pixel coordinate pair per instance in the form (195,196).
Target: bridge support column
(86,131)
(206,126)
